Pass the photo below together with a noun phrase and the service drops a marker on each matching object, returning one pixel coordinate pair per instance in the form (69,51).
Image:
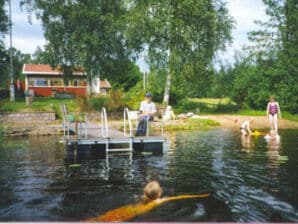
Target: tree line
(268,65)
(180,39)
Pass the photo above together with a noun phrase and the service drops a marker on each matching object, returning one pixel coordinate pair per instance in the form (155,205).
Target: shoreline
(202,123)
(259,122)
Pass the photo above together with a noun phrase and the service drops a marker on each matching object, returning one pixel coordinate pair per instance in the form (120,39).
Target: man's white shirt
(148,107)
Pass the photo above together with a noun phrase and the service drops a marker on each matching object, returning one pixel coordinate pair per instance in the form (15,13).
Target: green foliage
(3,19)
(84,104)
(97,103)
(115,100)
(182,38)
(89,34)
(206,106)
(18,57)
(190,124)
(47,104)
(274,69)
(134,97)
(268,66)
(127,75)
(92,103)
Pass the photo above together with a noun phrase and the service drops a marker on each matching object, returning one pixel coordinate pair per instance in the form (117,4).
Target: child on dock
(152,199)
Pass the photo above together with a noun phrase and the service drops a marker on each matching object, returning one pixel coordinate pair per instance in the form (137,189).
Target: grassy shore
(39,104)
(53,105)
(285,115)
(223,106)
(190,124)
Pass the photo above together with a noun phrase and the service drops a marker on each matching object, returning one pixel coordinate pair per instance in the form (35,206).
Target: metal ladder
(105,132)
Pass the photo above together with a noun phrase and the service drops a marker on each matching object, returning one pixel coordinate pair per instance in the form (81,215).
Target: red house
(45,81)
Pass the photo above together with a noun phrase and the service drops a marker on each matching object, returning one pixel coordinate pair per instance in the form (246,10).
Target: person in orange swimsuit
(152,199)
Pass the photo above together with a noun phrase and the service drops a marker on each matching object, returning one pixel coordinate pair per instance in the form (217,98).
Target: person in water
(152,199)
(245,127)
(273,111)
(147,110)
(272,135)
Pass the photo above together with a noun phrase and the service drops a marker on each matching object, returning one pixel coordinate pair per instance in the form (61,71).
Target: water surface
(249,179)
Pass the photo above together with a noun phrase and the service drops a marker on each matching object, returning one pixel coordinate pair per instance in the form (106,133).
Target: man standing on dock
(147,110)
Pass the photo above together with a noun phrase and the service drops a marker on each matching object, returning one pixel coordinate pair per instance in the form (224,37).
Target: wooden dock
(92,138)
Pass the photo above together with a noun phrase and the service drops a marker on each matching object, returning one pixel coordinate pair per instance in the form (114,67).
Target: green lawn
(214,101)
(52,104)
(226,103)
(39,104)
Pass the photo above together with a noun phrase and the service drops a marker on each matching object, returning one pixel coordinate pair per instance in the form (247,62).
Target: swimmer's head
(152,190)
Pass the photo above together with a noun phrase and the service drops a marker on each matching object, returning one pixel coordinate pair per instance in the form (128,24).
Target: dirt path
(259,122)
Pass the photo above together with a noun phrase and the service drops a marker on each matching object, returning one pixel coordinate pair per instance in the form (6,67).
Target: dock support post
(131,143)
(107,145)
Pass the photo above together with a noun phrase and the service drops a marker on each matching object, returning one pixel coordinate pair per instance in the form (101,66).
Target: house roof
(45,69)
(105,84)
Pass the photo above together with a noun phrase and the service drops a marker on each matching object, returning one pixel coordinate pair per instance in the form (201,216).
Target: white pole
(11,89)
(144,80)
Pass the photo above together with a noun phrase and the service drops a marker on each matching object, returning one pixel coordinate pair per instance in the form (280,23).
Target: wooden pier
(90,138)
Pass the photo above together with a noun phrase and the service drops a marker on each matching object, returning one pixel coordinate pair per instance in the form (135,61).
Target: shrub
(115,100)
(84,104)
(97,103)
(133,98)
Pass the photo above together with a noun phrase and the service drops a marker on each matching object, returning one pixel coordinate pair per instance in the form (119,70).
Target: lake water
(249,179)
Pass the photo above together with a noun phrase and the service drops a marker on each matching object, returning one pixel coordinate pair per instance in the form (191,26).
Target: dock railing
(128,123)
(104,123)
(127,120)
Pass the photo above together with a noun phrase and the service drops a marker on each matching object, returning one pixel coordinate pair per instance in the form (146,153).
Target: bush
(4,94)
(134,97)
(84,104)
(115,100)
(88,104)
(97,103)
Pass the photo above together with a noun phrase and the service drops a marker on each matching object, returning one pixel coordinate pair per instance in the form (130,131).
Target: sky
(27,37)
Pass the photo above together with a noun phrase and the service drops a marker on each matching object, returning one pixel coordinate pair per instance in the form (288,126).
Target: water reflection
(246,143)
(42,181)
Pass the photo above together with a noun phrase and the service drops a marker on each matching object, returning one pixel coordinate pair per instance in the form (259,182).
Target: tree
(41,56)
(86,34)
(182,38)
(4,58)
(276,51)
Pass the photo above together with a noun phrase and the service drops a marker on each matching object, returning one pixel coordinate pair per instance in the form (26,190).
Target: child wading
(273,111)
(245,126)
(147,110)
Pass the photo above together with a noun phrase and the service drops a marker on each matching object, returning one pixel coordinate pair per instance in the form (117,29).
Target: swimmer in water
(152,199)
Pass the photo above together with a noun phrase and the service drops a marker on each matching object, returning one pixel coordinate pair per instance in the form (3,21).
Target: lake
(249,179)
